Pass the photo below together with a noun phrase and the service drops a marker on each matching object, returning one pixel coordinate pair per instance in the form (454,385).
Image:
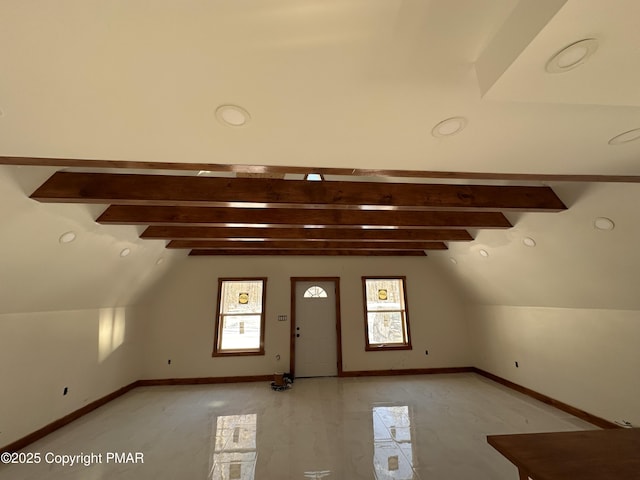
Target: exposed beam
(130,189)
(314,252)
(145,215)
(382,235)
(218,167)
(304,244)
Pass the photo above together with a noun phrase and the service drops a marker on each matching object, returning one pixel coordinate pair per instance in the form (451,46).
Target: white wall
(92,352)
(587,358)
(180,311)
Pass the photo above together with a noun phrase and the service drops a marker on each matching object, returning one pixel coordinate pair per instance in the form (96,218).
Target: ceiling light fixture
(625,137)
(449,127)
(125,252)
(484,253)
(529,242)
(572,56)
(67,237)
(603,223)
(232,115)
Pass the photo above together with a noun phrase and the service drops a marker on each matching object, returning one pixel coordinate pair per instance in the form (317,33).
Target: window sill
(378,348)
(237,353)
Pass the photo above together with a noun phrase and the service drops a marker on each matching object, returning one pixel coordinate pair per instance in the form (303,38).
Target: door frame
(292,344)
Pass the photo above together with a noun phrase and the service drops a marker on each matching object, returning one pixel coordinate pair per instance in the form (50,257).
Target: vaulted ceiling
(354,84)
(119,107)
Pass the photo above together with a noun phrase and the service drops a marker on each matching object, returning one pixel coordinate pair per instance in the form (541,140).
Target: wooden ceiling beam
(202,216)
(312,252)
(296,233)
(284,169)
(304,244)
(156,190)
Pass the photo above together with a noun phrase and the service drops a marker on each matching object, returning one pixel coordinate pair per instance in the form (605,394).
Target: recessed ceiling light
(484,253)
(603,223)
(125,252)
(232,115)
(625,137)
(572,56)
(449,127)
(529,242)
(67,237)
(453,260)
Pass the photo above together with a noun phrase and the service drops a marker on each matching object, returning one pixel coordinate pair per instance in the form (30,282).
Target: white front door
(315,329)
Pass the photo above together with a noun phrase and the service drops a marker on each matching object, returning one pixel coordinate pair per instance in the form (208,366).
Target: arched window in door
(315,292)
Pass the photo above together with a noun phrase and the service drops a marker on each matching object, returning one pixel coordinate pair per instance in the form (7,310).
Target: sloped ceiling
(572,265)
(355,85)
(38,273)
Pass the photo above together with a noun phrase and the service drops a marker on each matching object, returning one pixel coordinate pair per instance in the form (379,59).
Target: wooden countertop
(585,455)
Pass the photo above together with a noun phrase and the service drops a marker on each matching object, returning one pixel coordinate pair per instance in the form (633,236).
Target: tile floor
(407,427)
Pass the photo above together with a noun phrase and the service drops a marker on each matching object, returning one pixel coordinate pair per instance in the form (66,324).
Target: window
(315,292)
(386,316)
(314,177)
(240,317)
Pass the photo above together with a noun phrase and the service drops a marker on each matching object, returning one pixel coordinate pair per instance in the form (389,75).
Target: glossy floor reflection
(406,427)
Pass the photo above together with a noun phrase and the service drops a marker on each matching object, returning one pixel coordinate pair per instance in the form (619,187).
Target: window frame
(386,347)
(217,336)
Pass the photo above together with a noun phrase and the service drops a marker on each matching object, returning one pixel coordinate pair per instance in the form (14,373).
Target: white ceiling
(331,83)
(38,273)
(573,264)
(341,83)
